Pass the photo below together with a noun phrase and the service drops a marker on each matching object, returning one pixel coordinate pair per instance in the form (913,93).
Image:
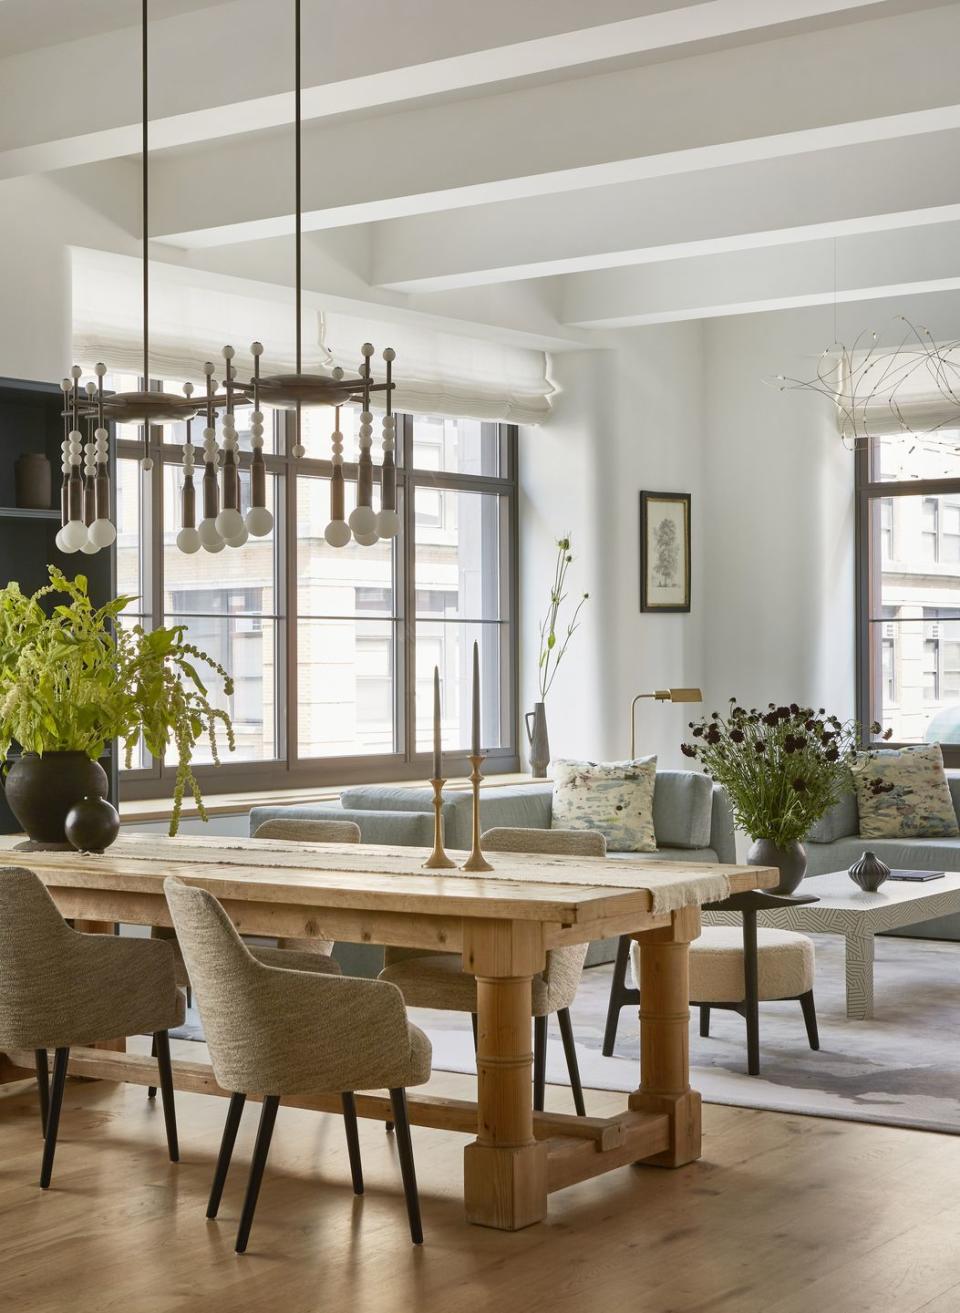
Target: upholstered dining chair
(273,1031)
(438,980)
(308,831)
(60,988)
(736,968)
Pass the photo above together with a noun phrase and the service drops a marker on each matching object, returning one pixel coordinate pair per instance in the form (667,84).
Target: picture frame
(665,551)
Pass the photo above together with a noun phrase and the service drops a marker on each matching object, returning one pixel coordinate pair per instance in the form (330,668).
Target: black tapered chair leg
(268,1117)
(228,1140)
(810,1018)
(617,1000)
(704,1020)
(751,1001)
(539,1062)
(476,1036)
(353,1139)
(570,1053)
(398,1102)
(388,1127)
(60,1059)
(152,1089)
(43,1085)
(162,1041)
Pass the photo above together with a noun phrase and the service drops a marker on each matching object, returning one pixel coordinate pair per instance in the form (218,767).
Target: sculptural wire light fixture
(226,525)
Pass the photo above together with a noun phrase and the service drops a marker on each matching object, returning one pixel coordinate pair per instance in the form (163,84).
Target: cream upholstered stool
(272,1031)
(59,988)
(736,968)
(438,980)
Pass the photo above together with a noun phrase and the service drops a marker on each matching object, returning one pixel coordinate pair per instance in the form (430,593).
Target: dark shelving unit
(31,421)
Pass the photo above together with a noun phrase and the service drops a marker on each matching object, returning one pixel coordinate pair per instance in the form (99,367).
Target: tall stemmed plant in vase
(553,647)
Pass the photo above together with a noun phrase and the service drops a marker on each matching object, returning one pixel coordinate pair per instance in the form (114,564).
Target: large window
(332,650)
(908,539)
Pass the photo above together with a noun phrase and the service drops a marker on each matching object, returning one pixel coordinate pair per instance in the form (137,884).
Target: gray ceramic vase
(539,742)
(869,872)
(791,861)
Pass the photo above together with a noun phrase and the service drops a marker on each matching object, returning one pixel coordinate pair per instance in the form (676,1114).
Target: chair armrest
(296,959)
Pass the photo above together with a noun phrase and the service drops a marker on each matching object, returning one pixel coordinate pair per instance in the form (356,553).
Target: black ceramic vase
(92,824)
(790,861)
(869,872)
(41,790)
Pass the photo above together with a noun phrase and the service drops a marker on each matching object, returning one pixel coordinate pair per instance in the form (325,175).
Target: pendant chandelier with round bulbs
(222,522)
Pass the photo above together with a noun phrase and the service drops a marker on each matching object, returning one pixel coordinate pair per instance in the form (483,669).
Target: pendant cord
(146,202)
(297,153)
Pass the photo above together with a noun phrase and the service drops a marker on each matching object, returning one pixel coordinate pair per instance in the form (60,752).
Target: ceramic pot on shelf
(790,861)
(40,791)
(538,740)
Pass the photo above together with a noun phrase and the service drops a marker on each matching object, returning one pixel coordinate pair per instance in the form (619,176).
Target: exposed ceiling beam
(435,51)
(862,188)
(725,107)
(859,268)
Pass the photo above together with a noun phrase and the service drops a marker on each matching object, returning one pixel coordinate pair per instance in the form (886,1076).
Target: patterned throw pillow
(919,805)
(614,797)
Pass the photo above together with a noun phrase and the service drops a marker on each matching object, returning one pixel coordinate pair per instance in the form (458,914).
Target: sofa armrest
(723,834)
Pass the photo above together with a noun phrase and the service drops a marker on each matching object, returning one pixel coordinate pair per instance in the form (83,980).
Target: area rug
(901,1069)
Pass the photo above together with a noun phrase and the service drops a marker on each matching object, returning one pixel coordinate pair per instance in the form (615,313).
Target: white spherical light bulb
(366,539)
(209,537)
(229,523)
(73,535)
(188,540)
(259,521)
(337,533)
(88,547)
(61,545)
(388,524)
(363,519)
(102,533)
(214,547)
(238,539)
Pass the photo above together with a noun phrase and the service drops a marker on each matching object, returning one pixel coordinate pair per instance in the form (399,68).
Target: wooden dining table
(502,922)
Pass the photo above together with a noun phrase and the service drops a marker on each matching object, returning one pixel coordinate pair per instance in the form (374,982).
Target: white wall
(628,418)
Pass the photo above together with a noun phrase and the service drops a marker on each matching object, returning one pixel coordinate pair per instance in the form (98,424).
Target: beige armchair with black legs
(60,988)
(438,980)
(272,1031)
(309,832)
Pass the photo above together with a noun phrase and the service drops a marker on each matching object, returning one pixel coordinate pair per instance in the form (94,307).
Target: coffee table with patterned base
(845,910)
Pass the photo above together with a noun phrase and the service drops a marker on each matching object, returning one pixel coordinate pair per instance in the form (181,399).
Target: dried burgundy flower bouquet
(781,768)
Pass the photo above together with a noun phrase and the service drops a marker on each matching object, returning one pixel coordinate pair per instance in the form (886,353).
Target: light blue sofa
(834,844)
(691,818)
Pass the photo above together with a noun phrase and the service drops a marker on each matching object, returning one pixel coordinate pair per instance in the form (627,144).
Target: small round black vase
(41,790)
(92,824)
(869,872)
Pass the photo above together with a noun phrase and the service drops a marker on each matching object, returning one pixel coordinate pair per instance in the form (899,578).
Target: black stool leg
(705,1020)
(810,1018)
(43,1085)
(398,1102)
(60,1059)
(353,1139)
(264,1135)
(230,1128)
(751,1001)
(152,1089)
(476,1040)
(388,1127)
(162,1041)
(570,1052)
(618,995)
(539,1062)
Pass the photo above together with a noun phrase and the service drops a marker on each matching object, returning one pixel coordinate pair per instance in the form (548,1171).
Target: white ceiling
(584,166)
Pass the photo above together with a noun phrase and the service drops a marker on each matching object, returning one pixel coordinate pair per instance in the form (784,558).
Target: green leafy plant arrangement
(781,768)
(552,649)
(72,678)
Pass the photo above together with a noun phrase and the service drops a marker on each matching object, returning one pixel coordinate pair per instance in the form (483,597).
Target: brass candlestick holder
(438,859)
(476,861)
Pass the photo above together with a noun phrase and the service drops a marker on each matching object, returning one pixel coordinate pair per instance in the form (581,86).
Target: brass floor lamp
(661,695)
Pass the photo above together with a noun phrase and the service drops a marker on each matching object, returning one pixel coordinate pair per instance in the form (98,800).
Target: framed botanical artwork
(664,551)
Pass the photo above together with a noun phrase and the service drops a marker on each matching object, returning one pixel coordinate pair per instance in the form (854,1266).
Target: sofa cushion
(917,806)
(841,819)
(682,808)
(614,797)
(899,854)
(401,828)
(524,805)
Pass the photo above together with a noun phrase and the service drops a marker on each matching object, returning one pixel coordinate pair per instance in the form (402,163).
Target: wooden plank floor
(783,1215)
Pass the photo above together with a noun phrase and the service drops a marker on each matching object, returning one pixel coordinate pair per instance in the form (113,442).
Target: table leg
(505,1168)
(102,928)
(664,1036)
(860,976)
